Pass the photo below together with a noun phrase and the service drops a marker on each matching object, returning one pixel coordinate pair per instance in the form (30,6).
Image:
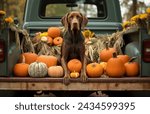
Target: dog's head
(74,21)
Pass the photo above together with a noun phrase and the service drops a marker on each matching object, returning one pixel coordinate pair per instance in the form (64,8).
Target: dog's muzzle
(75,25)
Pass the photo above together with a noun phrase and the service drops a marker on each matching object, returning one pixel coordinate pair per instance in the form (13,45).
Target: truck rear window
(58,8)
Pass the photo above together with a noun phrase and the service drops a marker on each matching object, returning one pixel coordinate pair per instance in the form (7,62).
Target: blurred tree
(132,7)
(2,5)
(13,8)
(54,10)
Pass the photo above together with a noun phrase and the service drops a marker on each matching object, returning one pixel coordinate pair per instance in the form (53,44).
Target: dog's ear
(84,21)
(64,21)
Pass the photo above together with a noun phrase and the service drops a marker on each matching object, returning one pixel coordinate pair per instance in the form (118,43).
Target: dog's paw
(66,80)
(84,77)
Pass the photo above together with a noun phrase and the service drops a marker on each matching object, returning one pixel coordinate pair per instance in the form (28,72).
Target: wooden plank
(73,86)
(90,80)
(13,86)
(89,86)
(15,83)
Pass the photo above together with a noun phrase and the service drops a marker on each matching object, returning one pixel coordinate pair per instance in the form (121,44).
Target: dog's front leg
(84,63)
(66,80)
(83,70)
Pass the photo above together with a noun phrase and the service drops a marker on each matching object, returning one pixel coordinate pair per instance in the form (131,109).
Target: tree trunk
(2,5)
(134,6)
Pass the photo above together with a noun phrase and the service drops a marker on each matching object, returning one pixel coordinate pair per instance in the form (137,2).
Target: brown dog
(73,45)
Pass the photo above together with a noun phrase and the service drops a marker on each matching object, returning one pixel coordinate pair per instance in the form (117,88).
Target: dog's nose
(75,24)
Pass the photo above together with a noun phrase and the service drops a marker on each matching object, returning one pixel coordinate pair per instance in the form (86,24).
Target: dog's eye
(78,17)
(71,17)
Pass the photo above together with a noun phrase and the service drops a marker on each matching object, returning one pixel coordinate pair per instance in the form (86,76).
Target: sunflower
(88,34)
(132,22)
(126,24)
(143,16)
(43,34)
(9,20)
(148,10)
(2,12)
(135,18)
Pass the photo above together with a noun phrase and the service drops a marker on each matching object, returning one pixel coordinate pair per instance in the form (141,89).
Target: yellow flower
(2,12)
(43,34)
(9,20)
(148,10)
(126,24)
(132,22)
(135,18)
(88,34)
(143,16)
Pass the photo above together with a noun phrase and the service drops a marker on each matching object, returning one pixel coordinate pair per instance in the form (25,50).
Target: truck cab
(104,15)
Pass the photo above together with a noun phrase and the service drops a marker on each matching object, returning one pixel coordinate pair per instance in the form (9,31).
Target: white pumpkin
(37,69)
(55,71)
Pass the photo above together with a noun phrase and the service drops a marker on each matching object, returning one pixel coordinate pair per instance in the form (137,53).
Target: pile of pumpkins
(112,65)
(51,37)
(30,64)
(37,66)
(118,65)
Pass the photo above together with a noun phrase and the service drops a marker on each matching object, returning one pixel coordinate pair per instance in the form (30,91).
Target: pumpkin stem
(114,55)
(94,64)
(132,59)
(23,59)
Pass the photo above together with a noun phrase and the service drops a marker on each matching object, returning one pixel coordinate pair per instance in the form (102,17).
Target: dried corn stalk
(97,44)
(26,43)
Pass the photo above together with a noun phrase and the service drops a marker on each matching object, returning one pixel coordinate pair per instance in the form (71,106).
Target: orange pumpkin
(132,68)
(74,65)
(49,40)
(28,57)
(54,32)
(58,41)
(74,74)
(55,71)
(21,69)
(94,70)
(106,53)
(124,58)
(115,67)
(48,60)
(104,65)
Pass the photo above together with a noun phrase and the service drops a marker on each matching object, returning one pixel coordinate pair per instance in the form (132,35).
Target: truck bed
(51,84)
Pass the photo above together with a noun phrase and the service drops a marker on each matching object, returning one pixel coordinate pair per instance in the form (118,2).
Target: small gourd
(74,74)
(58,41)
(104,65)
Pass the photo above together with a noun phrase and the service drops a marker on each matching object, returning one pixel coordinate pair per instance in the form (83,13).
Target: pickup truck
(104,18)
